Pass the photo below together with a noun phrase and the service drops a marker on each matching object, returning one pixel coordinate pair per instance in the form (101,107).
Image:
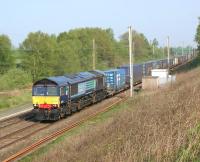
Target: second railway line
(29,134)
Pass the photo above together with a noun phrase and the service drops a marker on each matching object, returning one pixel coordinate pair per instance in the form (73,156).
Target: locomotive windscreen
(45,91)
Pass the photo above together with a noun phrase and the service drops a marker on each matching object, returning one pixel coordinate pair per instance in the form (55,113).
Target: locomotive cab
(48,95)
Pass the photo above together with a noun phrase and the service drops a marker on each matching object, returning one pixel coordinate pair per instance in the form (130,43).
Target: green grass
(191,151)
(8,101)
(86,125)
(14,79)
(12,90)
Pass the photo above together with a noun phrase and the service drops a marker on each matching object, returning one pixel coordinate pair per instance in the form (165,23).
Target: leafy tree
(70,52)
(82,38)
(39,51)
(155,42)
(197,36)
(142,47)
(6,60)
(21,79)
(157,51)
(67,58)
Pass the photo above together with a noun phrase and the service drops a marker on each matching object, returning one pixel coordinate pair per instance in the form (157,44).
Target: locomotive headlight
(55,105)
(35,105)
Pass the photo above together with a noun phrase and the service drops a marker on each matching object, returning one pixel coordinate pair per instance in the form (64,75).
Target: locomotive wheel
(69,112)
(75,109)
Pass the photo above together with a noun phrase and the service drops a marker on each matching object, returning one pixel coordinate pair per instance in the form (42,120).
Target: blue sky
(154,18)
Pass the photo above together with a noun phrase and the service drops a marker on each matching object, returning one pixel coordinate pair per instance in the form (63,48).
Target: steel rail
(18,131)
(59,132)
(13,121)
(25,136)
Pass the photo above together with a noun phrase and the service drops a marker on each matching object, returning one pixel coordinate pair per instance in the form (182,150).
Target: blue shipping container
(115,79)
(137,72)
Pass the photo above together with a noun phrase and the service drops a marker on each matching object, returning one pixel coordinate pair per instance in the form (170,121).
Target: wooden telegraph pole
(168,52)
(130,61)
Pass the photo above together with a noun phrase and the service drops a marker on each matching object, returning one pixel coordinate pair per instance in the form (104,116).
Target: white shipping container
(161,73)
(163,76)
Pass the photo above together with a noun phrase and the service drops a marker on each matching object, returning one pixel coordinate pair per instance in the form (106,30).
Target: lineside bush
(14,79)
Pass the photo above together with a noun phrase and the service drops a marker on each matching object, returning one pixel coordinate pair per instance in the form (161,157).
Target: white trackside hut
(163,76)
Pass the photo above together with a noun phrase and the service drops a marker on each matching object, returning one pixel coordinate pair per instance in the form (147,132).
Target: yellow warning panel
(46,100)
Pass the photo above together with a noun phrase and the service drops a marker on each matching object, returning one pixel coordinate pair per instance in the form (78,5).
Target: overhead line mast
(168,52)
(130,61)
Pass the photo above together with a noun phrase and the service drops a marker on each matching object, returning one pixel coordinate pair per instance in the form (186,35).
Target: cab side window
(62,91)
(66,90)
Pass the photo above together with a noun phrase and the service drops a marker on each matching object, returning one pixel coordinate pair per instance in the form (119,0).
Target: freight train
(56,97)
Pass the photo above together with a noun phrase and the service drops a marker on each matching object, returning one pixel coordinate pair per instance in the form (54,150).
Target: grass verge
(101,118)
(162,125)
(14,98)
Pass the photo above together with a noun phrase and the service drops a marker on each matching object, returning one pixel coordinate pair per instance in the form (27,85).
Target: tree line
(197,36)
(42,54)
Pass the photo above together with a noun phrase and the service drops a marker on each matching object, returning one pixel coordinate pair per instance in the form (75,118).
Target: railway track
(15,120)
(120,97)
(18,128)
(21,134)
(173,68)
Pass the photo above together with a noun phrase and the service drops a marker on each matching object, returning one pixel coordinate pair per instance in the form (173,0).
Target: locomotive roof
(57,80)
(67,79)
(127,65)
(79,77)
(110,70)
(97,72)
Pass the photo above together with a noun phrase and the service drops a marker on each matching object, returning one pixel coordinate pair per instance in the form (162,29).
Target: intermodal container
(115,79)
